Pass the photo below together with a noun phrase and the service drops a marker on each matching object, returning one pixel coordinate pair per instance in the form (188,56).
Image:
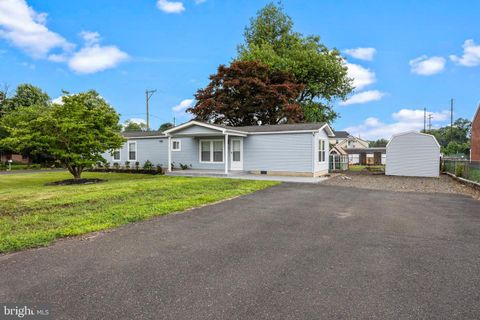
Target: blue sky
(413,54)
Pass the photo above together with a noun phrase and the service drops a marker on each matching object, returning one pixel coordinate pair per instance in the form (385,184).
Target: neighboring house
(475,148)
(357,149)
(285,149)
(15,157)
(413,154)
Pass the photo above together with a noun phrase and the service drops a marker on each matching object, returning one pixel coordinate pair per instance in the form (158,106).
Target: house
(413,154)
(357,149)
(15,157)
(475,148)
(284,149)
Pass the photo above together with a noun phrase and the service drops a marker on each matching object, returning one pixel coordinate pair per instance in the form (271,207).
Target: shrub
(159,168)
(137,165)
(127,164)
(459,170)
(107,165)
(184,166)
(116,166)
(148,165)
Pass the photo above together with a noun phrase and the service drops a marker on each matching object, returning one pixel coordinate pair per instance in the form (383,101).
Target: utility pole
(424,120)
(430,116)
(148,95)
(451,119)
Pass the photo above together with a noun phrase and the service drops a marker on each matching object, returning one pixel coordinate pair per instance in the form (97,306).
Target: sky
(404,56)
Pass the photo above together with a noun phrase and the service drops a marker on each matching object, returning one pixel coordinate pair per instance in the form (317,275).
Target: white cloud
(361,76)
(471,55)
(363,97)
(199,1)
(137,121)
(426,66)
(93,57)
(58,100)
(26,29)
(170,6)
(405,120)
(362,53)
(182,106)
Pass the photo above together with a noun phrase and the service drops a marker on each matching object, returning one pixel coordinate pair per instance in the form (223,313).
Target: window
(176,145)
(116,155)
(211,150)
(132,151)
(321,150)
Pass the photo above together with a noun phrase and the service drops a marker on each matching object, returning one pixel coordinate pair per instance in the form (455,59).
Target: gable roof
(142,134)
(341,134)
(415,133)
(257,129)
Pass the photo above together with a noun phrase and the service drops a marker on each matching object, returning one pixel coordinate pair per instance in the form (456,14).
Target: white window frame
(320,150)
(211,150)
(128,149)
(119,154)
(179,145)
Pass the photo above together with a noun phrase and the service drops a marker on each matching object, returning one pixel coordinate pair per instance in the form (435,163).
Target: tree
(75,133)
(245,93)
(165,126)
(130,126)
(26,95)
(454,140)
(270,39)
(378,143)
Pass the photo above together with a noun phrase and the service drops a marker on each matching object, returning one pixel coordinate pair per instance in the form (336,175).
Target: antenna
(148,95)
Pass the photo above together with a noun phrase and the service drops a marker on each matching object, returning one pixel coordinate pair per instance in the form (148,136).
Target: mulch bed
(70,182)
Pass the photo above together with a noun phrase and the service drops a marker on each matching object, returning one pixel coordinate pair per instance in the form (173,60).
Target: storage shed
(413,154)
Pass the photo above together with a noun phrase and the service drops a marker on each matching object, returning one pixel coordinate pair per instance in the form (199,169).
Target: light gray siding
(278,152)
(321,166)
(153,149)
(413,154)
(189,154)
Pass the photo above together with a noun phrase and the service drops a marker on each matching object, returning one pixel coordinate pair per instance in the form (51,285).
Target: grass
(32,214)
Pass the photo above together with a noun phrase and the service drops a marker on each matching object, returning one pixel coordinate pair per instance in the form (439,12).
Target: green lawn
(357,168)
(32,214)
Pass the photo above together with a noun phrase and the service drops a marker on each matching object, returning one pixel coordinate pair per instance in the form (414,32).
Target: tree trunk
(75,171)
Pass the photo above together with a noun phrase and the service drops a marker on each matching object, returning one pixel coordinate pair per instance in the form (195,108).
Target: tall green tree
(270,39)
(26,95)
(165,126)
(75,133)
(248,92)
(378,143)
(455,139)
(130,126)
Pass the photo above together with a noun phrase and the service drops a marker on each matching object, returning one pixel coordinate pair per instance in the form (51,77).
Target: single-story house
(284,149)
(413,154)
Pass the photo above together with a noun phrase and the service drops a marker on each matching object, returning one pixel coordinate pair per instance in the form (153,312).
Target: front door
(236,154)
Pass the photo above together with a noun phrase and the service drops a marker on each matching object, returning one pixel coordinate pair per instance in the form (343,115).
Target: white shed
(413,154)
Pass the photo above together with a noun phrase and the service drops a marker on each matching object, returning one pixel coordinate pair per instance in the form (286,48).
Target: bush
(148,165)
(127,164)
(184,166)
(459,170)
(116,165)
(107,165)
(137,165)
(159,168)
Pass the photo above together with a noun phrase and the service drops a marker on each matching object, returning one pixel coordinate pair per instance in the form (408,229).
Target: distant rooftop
(341,134)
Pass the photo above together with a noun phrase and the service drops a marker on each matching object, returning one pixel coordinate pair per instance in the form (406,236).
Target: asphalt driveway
(295,251)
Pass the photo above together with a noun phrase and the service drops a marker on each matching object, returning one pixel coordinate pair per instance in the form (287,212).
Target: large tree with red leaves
(247,92)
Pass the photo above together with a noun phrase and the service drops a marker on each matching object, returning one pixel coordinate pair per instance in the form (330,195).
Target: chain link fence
(466,169)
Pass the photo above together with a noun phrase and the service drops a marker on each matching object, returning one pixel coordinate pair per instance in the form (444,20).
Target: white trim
(119,153)
(329,130)
(179,145)
(128,150)
(225,153)
(281,132)
(415,132)
(201,124)
(169,152)
(147,137)
(211,151)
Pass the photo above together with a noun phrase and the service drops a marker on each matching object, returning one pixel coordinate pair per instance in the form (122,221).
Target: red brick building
(16,158)
(475,149)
